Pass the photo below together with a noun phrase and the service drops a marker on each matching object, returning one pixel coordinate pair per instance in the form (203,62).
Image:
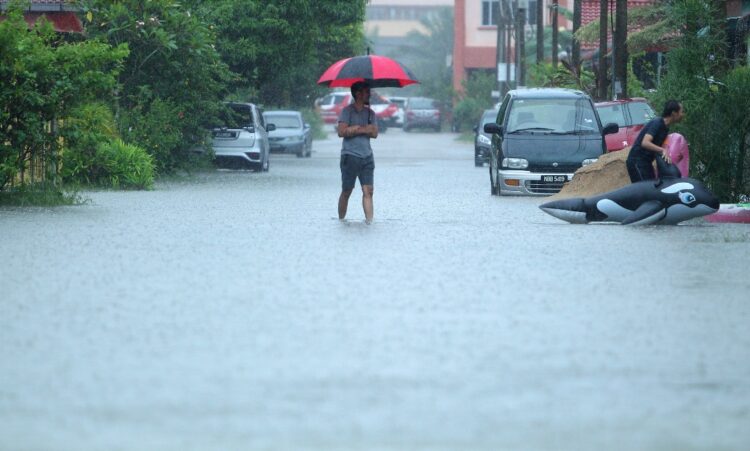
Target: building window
(490,12)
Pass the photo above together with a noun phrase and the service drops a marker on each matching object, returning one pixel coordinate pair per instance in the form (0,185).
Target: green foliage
(316,122)
(714,98)
(173,76)
(157,126)
(476,99)
(545,76)
(41,80)
(124,165)
(280,47)
(427,55)
(86,127)
(43,194)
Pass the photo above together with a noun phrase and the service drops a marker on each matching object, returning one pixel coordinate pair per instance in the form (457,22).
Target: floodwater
(230,310)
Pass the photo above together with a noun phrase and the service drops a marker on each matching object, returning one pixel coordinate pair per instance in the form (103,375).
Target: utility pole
(601,75)
(575,58)
(539,31)
(554,33)
(520,51)
(621,49)
(500,53)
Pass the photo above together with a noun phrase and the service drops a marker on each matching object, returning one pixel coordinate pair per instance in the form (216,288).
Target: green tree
(713,96)
(173,80)
(427,55)
(43,78)
(280,48)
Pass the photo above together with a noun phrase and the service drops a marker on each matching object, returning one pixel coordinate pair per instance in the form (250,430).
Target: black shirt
(658,130)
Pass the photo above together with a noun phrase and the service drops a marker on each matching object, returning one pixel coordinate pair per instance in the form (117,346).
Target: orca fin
(648,213)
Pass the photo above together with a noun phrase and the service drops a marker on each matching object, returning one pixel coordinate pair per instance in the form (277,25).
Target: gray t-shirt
(359,145)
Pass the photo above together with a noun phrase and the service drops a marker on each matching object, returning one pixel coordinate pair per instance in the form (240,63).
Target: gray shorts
(353,167)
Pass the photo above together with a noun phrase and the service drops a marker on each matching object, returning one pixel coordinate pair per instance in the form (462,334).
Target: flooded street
(232,310)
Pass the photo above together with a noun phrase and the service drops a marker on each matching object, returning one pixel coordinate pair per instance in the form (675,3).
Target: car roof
(621,101)
(547,93)
(282,113)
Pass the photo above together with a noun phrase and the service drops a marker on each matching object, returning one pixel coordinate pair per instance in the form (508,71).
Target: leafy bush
(714,98)
(544,75)
(87,127)
(43,78)
(157,128)
(315,121)
(124,165)
(476,98)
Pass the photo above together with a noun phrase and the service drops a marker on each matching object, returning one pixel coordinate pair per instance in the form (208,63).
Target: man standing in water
(648,144)
(357,124)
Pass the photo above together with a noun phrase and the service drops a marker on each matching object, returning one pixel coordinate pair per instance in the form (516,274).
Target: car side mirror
(476,127)
(250,128)
(306,125)
(270,127)
(493,128)
(611,128)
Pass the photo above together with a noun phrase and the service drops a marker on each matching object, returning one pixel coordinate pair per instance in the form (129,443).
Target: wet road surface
(231,310)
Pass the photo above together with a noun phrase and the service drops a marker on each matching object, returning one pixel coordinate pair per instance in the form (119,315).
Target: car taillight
(436,113)
(410,114)
(253,155)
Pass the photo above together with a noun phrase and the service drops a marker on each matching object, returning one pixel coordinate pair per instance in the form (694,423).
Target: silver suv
(241,140)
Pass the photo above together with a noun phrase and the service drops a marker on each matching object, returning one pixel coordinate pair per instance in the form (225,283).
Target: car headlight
(484,140)
(515,163)
(588,161)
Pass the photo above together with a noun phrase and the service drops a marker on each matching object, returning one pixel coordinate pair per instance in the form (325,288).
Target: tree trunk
(576,56)
(601,73)
(620,48)
(554,33)
(539,31)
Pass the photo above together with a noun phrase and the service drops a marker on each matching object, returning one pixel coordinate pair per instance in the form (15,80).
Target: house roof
(590,13)
(61,13)
(590,8)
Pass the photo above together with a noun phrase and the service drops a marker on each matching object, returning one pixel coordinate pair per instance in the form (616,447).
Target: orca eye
(687,198)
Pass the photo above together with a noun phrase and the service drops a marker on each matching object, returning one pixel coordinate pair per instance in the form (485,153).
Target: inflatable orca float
(667,201)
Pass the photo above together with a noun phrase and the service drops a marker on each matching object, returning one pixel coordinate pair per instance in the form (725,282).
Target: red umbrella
(377,71)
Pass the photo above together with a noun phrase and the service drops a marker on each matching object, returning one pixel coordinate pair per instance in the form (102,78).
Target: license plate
(554,178)
(224,135)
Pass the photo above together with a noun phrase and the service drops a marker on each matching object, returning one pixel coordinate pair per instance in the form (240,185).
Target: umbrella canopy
(377,71)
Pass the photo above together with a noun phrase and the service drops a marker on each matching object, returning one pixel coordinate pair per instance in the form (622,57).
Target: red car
(630,115)
(331,105)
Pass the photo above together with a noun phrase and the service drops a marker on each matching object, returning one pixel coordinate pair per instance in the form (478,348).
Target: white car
(242,138)
(399,116)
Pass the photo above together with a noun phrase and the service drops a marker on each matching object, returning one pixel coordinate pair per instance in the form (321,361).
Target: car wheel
(406,128)
(494,189)
(301,153)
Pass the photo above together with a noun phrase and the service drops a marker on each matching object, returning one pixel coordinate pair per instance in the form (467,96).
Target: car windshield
(399,102)
(552,116)
(641,112)
(422,104)
(284,120)
(612,113)
(236,116)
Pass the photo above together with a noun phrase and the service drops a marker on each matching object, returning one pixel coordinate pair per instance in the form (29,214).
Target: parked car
(421,112)
(241,139)
(482,140)
(630,115)
(331,105)
(540,137)
(384,109)
(399,116)
(291,135)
